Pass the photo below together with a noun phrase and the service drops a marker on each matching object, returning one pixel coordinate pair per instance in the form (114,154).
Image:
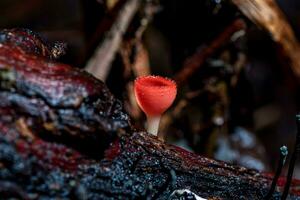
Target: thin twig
(195,61)
(282,159)
(99,64)
(292,161)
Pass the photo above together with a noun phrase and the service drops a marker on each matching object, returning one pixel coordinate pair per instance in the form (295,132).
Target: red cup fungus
(154,95)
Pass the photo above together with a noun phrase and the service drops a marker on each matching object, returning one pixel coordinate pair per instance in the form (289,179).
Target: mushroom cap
(154,94)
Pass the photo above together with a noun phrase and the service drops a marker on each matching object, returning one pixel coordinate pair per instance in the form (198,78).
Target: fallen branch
(64,108)
(99,64)
(268,15)
(195,61)
(136,59)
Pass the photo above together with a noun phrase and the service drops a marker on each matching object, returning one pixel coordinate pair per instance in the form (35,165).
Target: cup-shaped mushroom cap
(154,94)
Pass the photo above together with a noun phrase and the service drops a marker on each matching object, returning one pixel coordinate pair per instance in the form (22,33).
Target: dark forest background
(239,106)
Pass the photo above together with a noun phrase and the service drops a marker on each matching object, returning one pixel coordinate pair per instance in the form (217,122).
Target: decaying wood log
(31,42)
(135,167)
(57,98)
(36,163)
(268,15)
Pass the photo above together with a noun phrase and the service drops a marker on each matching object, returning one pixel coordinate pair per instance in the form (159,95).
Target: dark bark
(62,103)
(47,108)
(135,167)
(31,43)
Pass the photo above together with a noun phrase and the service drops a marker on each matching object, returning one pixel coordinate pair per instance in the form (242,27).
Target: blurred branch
(194,62)
(99,64)
(135,58)
(268,15)
(134,47)
(139,67)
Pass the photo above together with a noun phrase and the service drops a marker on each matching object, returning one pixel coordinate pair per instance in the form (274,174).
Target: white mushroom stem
(153,124)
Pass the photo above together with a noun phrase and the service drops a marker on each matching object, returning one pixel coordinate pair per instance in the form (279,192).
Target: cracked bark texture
(63,135)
